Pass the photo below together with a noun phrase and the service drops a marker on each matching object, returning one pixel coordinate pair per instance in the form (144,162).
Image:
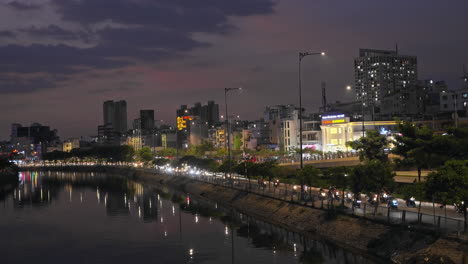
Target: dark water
(55,217)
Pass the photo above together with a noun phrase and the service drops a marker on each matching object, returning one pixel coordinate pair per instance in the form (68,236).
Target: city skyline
(63,62)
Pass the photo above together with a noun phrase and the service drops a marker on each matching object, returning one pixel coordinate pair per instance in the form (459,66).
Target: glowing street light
(301,56)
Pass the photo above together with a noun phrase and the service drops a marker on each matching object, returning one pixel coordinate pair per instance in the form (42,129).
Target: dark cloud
(52,59)
(123,86)
(152,31)
(23,6)
(56,32)
(181,15)
(7,34)
(22,84)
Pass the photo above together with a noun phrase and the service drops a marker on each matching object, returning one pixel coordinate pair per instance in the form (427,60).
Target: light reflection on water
(93,218)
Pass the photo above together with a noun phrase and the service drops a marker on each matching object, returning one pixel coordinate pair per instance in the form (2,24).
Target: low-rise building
(337,130)
(70,144)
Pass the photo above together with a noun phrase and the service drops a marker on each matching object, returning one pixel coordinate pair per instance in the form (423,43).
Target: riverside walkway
(431,215)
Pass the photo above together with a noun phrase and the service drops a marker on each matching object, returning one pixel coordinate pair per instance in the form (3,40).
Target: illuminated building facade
(70,144)
(383,81)
(337,130)
(193,123)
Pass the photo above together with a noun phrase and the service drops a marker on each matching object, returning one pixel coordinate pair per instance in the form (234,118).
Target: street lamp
(228,141)
(348,88)
(301,56)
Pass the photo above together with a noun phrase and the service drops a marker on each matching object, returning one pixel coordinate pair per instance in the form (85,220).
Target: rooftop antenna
(396,48)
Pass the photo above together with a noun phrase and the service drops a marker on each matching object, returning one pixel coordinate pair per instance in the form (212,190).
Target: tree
(227,165)
(309,175)
(237,141)
(265,169)
(285,173)
(338,177)
(161,161)
(246,168)
(200,150)
(450,182)
(371,147)
(145,154)
(416,145)
(417,190)
(8,171)
(374,176)
(167,152)
(200,163)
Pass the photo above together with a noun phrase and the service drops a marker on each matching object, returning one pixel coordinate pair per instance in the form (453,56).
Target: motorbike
(393,204)
(459,207)
(337,195)
(385,198)
(357,203)
(411,202)
(276,183)
(372,200)
(322,194)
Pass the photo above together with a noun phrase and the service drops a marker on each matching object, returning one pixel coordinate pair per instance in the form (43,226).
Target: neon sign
(328,117)
(335,121)
(182,121)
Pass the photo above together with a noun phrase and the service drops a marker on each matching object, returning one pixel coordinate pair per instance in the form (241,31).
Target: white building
(290,132)
(337,130)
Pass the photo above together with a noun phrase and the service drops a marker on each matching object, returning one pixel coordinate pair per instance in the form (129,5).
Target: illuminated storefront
(337,130)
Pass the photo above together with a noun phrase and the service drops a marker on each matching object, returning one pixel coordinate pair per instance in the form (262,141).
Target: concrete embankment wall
(345,231)
(364,236)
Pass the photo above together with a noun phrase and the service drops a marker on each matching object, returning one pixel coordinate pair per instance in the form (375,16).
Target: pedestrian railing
(286,193)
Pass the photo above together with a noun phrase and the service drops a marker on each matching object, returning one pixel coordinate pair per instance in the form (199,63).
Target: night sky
(60,59)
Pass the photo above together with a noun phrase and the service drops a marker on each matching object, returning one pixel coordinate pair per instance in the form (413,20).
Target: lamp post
(228,141)
(348,88)
(301,56)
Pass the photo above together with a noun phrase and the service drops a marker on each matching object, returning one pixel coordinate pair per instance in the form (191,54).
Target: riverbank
(376,240)
(8,181)
(9,175)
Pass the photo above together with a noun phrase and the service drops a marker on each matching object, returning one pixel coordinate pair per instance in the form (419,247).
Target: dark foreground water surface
(55,217)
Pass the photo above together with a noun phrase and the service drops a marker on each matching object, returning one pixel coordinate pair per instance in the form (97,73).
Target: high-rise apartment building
(210,113)
(115,113)
(147,119)
(195,122)
(33,140)
(383,81)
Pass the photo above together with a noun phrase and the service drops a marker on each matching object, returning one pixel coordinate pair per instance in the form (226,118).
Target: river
(71,217)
